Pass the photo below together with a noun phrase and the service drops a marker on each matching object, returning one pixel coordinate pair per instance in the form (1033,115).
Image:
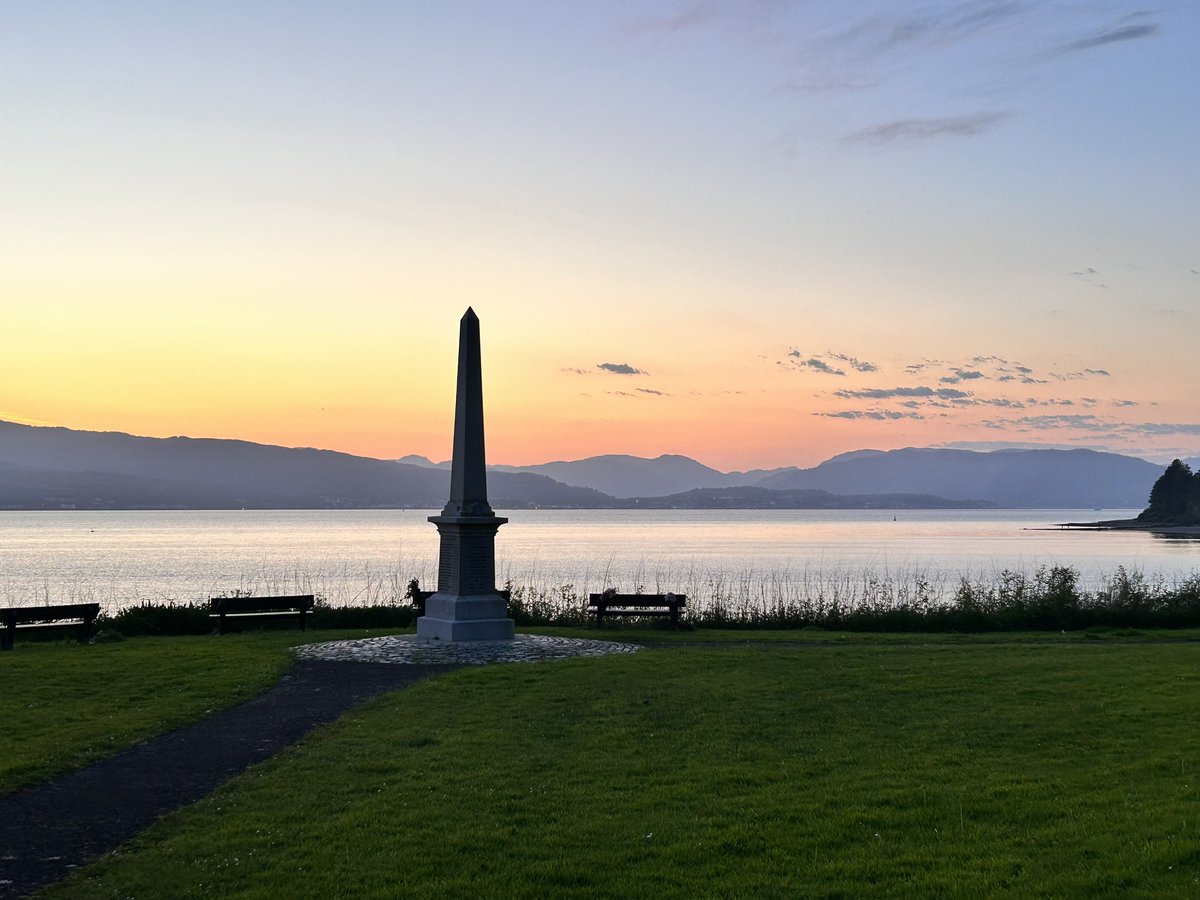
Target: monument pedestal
(466,606)
(450,618)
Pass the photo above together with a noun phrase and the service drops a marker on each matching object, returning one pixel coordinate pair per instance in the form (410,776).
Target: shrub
(147,618)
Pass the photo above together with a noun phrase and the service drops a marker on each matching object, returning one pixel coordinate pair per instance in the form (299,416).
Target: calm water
(368,556)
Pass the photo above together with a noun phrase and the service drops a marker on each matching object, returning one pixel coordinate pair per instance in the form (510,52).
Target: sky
(756,233)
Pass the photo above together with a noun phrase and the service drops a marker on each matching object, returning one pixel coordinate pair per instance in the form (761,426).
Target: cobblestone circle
(409,649)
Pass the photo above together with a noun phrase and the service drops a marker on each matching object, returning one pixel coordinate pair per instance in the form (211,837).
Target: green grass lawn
(64,705)
(860,768)
(637,633)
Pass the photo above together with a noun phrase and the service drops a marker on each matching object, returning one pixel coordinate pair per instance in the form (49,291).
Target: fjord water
(368,556)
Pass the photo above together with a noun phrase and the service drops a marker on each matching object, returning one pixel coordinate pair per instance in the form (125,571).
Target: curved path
(50,828)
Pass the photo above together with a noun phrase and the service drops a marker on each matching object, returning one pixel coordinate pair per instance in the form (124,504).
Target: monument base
(450,618)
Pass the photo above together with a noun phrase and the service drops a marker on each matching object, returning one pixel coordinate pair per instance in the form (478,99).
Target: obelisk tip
(470,314)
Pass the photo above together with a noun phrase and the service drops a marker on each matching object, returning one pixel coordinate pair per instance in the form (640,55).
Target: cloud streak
(820,365)
(1111,36)
(883,415)
(857,364)
(619,369)
(888,393)
(691,16)
(821,362)
(903,131)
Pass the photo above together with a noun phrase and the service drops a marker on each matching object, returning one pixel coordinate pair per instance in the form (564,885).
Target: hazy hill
(55,467)
(424,462)
(26,487)
(764,498)
(636,476)
(1012,478)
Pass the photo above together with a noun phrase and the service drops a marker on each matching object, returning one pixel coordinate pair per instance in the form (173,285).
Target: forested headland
(1175,497)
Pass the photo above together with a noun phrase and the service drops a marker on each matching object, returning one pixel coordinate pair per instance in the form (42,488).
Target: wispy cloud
(901,131)
(918,367)
(1089,275)
(1080,376)
(876,414)
(948,24)
(1165,428)
(857,364)
(993,368)
(888,393)
(1080,422)
(1093,423)
(821,366)
(1115,35)
(690,16)
(959,375)
(810,48)
(988,446)
(619,369)
(821,362)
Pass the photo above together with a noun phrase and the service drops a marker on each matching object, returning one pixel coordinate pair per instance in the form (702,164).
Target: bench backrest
(647,600)
(421,596)
(260,604)
(14,615)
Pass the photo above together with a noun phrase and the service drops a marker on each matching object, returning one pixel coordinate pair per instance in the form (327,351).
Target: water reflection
(368,556)
(1184,540)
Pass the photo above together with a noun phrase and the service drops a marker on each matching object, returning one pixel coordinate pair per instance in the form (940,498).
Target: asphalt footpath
(49,829)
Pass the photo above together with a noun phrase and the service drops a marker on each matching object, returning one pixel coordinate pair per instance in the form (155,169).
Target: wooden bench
(67,616)
(418,597)
(610,603)
(244,607)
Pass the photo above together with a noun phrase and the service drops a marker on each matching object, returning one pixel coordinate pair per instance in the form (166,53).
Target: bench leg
(6,637)
(303,614)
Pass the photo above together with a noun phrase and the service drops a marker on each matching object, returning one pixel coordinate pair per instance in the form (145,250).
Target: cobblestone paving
(408,648)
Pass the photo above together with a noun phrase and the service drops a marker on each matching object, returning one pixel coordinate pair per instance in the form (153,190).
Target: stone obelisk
(466,606)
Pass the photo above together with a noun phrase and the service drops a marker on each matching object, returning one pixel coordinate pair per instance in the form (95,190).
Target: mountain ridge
(1048,478)
(625,476)
(55,467)
(1029,478)
(220,473)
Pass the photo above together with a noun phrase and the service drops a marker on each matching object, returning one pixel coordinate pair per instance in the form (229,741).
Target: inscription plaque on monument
(467,606)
